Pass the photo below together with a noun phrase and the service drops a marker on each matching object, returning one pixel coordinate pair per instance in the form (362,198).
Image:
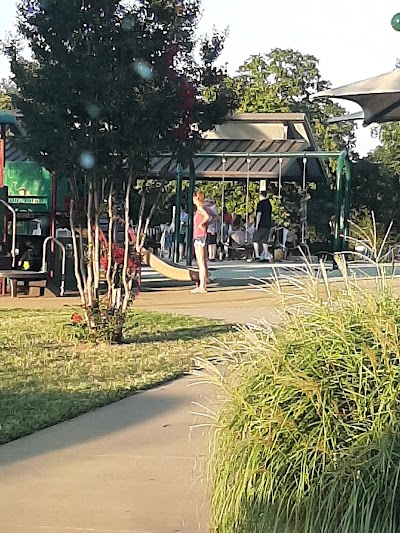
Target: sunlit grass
(47,377)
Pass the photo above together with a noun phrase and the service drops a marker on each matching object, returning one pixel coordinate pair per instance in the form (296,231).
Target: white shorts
(200,242)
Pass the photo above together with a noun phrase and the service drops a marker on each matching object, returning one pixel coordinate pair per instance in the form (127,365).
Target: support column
(192,184)
(53,213)
(178,203)
(2,158)
(342,203)
(347,203)
(339,226)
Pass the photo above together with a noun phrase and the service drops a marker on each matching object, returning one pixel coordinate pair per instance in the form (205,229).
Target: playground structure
(276,147)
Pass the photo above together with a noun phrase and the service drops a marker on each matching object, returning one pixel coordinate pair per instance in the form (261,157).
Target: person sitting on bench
(237,236)
(29,260)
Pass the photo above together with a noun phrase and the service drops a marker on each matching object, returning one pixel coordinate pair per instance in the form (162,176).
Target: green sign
(29,186)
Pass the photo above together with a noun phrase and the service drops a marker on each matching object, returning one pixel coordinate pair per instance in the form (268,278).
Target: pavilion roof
(251,133)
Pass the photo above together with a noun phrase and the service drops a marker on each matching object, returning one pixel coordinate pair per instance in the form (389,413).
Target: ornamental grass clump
(308,438)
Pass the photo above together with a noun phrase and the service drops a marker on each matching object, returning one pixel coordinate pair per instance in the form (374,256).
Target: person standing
(262,227)
(200,223)
(227,221)
(213,229)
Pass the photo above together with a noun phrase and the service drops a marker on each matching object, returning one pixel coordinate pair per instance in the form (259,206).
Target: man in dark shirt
(263,224)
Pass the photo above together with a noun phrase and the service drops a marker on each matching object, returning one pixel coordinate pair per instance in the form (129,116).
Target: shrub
(308,438)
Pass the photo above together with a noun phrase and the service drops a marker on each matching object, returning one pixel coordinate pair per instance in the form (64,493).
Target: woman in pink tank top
(200,222)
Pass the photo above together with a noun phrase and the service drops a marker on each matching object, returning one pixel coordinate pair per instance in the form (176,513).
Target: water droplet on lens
(87,160)
(127,23)
(93,110)
(143,69)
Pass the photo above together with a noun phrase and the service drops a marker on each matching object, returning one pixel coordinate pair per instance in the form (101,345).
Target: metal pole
(265,155)
(14,229)
(53,214)
(192,184)
(3,136)
(338,245)
(63,260)
(248,161)
(304,206)
(221,237)
(178,203)
(347,202)
(2,161)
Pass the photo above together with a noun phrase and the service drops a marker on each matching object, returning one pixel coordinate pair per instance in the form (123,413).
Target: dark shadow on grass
(36,411)
(181,334)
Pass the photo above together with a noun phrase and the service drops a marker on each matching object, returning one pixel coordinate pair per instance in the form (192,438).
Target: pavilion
(236,144)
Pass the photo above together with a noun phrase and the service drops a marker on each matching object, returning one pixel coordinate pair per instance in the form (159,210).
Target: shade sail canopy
(379,97)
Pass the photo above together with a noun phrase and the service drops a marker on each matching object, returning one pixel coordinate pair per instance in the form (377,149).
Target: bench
(21,275)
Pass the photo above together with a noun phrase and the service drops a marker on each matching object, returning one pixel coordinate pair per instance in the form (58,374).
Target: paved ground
(135,466)
(132,467)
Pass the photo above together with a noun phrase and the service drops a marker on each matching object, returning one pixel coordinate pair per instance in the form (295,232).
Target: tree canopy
(118,82)
(110,85)
(283,81)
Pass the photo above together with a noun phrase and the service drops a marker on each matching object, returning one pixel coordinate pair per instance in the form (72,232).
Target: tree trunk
(96,250)
(148,220)
(110,242)
(82,260)
(126,250)
(76,255)
(89,287)
(139,239)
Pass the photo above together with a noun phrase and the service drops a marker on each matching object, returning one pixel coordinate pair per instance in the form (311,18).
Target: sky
(353,39)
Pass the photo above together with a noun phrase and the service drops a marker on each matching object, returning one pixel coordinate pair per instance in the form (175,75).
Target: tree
(376,181)
(109,86)
(6,90)
(388,154)
(283,81)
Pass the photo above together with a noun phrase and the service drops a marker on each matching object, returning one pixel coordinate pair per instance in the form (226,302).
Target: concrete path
(132,467)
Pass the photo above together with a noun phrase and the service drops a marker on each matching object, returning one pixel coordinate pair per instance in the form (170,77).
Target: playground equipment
(14,229)
(29,276)
(63,263)
(174,272)
(379,98)
(303,201)
(343,188)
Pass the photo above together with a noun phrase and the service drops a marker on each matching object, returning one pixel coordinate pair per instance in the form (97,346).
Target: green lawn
(45,377)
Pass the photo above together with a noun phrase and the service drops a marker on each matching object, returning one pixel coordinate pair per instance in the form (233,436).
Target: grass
(308,438)
(47,377)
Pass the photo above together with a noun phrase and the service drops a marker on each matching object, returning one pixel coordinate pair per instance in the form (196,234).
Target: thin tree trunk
(110,241)
(96,255)
(139,238)
(148,220)
(82,260)
(126,250)
(90,245)
(76,255)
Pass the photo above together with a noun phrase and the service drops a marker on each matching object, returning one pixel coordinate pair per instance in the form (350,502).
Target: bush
(308,439)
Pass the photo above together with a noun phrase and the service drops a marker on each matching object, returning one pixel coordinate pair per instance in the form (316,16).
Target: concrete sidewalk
(133,467)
